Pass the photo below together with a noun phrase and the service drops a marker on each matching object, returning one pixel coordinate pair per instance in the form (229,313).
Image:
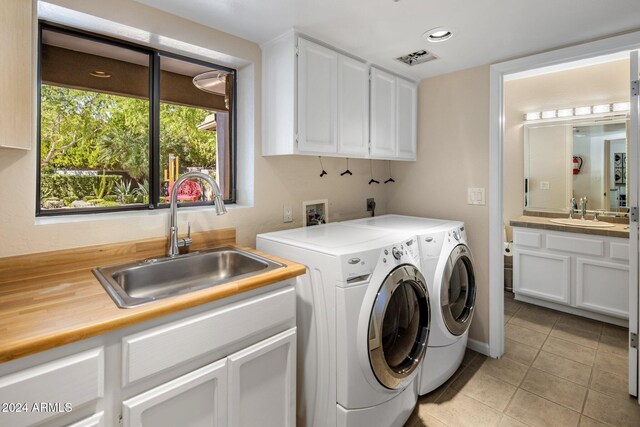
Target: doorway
(499,74)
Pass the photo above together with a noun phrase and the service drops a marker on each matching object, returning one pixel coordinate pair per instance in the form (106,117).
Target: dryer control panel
(357,268)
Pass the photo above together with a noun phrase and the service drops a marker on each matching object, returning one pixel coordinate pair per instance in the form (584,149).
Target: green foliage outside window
(83,130)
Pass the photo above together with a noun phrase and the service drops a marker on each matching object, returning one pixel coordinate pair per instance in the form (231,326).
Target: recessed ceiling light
(100,74)
(438,34)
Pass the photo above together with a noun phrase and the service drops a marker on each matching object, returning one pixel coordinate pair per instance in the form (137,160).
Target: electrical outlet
(287,214)
(371,204)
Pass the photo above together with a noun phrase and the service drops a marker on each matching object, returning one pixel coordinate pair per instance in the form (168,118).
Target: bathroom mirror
(576,158)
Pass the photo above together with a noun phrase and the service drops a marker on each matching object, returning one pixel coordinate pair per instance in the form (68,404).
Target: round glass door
(458,292)
(399,327)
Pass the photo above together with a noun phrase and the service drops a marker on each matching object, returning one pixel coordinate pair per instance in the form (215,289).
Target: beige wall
(276,181)
(453,154)
(597,84)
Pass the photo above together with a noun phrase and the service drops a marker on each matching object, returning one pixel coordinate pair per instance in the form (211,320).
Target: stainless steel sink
(140,282)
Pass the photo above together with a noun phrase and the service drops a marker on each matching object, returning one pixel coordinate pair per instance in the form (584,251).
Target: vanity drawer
(158,349)
(72,381)
(577,245)
(530,239)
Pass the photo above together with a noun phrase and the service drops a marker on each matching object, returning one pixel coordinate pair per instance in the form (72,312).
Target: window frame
(154,122)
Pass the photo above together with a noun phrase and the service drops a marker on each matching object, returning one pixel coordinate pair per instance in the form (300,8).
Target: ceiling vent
(418,57)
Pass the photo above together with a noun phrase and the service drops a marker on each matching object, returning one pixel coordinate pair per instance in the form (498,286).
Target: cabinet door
(383,115)
(16,73)
(197,399)
(317,98)
(262,383)
(353,107)
(603,287)
(407,119)
(542,275)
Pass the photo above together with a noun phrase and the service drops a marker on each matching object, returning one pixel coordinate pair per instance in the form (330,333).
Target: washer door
(458,291)
(399,327)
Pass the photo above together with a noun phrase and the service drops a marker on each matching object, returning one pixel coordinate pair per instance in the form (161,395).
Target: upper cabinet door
(353,107)
(262,383)
(407,119)
(16,74)
(383,114)
(317,98)
(197,399)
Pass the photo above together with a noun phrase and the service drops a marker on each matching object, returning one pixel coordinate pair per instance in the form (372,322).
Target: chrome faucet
(174,242)
(572,208)
(583,207)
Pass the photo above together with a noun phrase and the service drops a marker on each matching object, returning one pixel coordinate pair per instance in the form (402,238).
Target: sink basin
(582,223)
(140,282)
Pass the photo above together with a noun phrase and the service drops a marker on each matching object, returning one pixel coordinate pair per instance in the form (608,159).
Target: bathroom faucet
(572,208)
(583,207)
(174,242)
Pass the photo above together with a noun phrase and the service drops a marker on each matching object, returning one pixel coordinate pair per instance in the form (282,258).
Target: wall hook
(390,179)
(324,172)
(372,181)
(347,172)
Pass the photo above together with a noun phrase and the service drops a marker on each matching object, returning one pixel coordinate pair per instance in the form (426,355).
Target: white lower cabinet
(587,274)
(198,399)
(227,363)
(262,383)
(253,387)
(542,275)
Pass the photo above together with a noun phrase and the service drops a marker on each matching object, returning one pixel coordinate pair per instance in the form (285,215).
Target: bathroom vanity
(579,270)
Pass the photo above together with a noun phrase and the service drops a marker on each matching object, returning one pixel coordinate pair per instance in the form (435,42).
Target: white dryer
(447,264)
(363,318)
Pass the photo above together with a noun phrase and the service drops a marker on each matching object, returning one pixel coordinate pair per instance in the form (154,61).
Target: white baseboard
(479,346)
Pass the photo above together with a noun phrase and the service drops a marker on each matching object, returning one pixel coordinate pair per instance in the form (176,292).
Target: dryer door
(399,327)
(458,291)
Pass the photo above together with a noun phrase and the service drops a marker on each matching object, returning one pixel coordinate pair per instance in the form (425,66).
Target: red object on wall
(577,164)
(189,190)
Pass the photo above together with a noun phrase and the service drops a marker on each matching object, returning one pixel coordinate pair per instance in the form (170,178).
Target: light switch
(475,196)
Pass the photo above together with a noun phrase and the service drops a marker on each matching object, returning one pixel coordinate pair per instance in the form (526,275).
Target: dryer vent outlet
(371,206)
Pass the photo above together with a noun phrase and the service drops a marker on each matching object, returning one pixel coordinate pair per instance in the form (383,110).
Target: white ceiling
(485,31)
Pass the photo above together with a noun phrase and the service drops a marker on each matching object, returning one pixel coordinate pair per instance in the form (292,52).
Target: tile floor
(557,370)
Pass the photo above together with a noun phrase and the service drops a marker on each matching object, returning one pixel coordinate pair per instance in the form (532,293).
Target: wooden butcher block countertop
(51,299)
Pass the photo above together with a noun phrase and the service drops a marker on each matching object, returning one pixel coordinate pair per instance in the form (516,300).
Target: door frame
(497,73)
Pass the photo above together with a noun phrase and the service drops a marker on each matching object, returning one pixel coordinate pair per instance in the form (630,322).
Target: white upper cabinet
(383,114)
(353,107)
(394,103)
(407,119)
(317,98)
(318,101)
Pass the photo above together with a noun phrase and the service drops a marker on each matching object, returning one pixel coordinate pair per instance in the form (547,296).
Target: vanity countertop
(618,230)
(51,299)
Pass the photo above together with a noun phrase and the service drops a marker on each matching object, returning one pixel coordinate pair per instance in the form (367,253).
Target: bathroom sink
(140,282)
(581,223)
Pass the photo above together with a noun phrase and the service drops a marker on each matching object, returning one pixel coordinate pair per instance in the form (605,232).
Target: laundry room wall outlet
(475,196)
(287,214)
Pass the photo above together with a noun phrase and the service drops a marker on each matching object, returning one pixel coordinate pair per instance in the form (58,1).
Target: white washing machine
(447,265)
(363,317)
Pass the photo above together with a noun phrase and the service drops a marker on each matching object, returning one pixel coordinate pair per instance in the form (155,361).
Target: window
(118,123)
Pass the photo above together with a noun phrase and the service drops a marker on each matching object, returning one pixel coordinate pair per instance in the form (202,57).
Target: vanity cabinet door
(197,399)
(602,286)
(317,98)
(262,383)
(542,275)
